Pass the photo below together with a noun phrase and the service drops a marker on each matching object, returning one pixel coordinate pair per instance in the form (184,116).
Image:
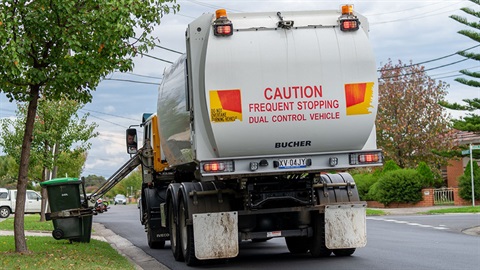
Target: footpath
(142,260)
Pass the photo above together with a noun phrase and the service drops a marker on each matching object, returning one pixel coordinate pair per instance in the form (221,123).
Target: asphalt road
(394,242)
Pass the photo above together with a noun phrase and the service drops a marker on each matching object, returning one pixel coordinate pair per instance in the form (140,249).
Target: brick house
(456,167)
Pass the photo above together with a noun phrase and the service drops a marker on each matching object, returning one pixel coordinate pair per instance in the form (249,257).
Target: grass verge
(48,253)
(465,209)
(31,223)
(375,212)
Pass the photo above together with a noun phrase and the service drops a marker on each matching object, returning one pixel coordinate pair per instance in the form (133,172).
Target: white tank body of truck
(304,96)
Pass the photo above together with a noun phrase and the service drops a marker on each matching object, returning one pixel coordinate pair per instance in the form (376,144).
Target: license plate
(291,163)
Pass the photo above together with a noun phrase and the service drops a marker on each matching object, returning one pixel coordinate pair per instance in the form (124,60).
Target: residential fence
(443,196)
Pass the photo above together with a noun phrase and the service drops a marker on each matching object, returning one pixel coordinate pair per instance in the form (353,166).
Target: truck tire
(317,244)
(296,244)
(151,239)
(343,252)
(174,233)
(186,236)
(4,212)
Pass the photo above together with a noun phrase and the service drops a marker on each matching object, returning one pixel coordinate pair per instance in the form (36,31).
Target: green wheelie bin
(71,219)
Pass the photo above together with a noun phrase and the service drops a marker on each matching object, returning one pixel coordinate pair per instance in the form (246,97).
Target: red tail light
(349,24)
(366,158)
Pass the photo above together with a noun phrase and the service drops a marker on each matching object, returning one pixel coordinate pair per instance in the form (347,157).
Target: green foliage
(465,182)
(32,223)
(57,129)
(401,186)
(67,46)
(92,182)
(471,122)
(130,186)
(466,209)
(8,172)
(429,178)
(363,183)
(411,125)
(390,165)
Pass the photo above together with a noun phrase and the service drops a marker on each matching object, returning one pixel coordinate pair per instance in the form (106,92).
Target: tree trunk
(19,228)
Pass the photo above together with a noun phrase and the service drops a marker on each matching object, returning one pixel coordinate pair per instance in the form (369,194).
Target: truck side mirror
(132,145)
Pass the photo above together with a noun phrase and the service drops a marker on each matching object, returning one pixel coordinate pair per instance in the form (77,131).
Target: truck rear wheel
(4,212)
(343,252)
(297,245)
(174,233)
(186,236)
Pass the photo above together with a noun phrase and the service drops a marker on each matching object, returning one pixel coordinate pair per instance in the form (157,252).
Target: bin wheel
(57,234)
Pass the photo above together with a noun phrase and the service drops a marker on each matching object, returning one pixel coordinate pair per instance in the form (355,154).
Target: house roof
(466,137)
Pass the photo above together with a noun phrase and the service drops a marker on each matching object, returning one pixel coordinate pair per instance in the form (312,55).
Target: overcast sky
(406,30)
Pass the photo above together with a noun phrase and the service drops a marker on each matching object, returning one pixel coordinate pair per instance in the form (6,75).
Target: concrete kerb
(137,256)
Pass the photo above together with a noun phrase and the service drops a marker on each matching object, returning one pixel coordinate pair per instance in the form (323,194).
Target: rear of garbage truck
(254,119)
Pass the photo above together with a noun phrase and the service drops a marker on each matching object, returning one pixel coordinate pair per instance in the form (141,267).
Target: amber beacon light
(222,26)
(348,21)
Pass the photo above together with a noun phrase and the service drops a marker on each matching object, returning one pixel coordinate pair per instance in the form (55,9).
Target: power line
(416,17)
(156,58)
(132,81)
(140,75)
(168,49)
(113,123)
(399,11)
(200,3)
(123,117)
(432,60)
(413,73)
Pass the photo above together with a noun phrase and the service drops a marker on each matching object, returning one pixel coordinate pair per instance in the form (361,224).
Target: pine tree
(471,122)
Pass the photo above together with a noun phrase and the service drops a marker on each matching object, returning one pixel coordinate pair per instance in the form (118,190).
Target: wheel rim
(4,212)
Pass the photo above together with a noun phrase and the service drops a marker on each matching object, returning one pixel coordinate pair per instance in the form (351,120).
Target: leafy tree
(471,122)
(57,128)
(430,179)
(399,186)
(465,182)
(92,182)
(62,49)
(410,122)
(8,171)
(128,186)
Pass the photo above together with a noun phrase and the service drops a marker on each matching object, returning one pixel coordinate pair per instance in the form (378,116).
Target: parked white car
(33,202)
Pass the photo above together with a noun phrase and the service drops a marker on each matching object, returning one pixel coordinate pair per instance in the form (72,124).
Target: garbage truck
(257,125)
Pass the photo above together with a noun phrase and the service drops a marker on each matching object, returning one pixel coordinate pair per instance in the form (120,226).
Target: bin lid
(61,181)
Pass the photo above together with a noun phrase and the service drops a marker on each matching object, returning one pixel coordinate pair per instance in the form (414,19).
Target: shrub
(429,178)
(390,166)
(402,186)
(465,183)
(364,182)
